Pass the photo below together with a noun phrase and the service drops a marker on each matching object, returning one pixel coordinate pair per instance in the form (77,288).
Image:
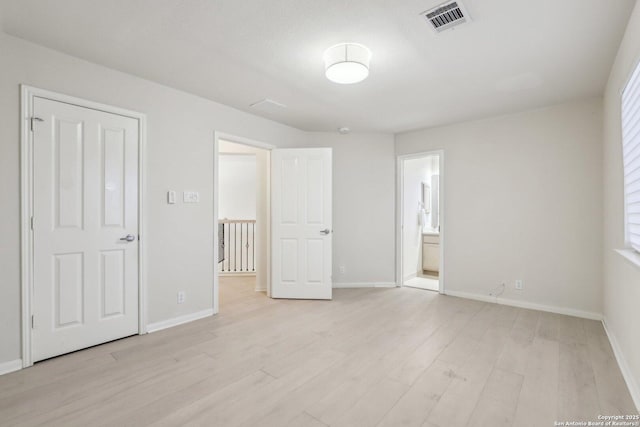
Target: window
(631,158)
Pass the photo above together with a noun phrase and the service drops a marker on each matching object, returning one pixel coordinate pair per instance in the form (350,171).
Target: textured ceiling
(515,55)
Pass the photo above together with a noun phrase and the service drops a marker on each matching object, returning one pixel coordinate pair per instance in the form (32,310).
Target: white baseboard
(525,304)
(169,323)
(364,285)
(10,366)
(632,383)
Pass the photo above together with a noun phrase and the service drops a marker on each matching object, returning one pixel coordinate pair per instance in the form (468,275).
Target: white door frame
(28,93)
(217,136)
(400,213)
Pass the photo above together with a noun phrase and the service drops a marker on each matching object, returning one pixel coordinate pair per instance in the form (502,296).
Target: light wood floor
(386,357)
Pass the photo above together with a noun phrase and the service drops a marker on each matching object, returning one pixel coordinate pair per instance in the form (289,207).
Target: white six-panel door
(301,223)
(85,202)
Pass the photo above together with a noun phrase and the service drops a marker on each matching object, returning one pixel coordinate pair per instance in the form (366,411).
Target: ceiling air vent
(446,16)
(267,104)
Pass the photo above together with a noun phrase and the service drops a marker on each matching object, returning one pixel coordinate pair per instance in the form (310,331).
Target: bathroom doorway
(420,228)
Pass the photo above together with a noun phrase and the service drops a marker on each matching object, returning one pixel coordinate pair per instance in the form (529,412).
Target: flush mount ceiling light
(347,63)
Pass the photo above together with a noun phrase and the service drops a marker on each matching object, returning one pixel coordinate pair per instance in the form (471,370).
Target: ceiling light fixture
(347,63)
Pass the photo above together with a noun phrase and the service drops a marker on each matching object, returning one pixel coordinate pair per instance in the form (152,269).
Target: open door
(301,221)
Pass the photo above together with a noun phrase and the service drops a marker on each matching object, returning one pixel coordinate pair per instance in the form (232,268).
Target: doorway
(242,221)
(420,225)
(294,245)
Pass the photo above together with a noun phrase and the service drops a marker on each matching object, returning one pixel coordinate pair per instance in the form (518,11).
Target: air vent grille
(446,16)
(267,104)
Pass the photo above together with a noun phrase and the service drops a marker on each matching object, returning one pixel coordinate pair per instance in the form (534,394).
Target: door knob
(129,238)
(325,231)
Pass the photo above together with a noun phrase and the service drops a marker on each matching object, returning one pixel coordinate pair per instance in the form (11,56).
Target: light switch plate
(171,197)
(191,197)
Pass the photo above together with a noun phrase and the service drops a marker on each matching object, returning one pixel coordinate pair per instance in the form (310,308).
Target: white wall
(179,156)
(621,278)
(363,206)
(523,196)
(238,186)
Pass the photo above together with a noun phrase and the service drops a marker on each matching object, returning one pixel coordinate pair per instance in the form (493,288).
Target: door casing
(26,205)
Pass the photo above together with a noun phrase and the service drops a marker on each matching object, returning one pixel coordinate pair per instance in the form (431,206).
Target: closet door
(85,228)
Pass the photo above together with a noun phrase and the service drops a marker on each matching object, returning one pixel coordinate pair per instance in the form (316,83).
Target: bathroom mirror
(426,197)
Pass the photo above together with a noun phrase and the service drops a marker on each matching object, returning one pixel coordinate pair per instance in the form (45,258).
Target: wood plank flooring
(370,357)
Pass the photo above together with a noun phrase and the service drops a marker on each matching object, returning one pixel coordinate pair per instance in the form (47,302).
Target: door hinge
(33,322)
(31,223)
(34,119)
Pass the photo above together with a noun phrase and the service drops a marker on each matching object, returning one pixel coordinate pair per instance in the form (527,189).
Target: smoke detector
(446,16)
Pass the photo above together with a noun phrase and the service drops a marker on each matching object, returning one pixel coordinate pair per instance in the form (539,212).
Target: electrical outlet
(342,269)
(519,285)
(181,297)
(498,290)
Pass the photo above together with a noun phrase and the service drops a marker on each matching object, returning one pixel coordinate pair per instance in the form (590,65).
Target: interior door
(85,227)
(301,223)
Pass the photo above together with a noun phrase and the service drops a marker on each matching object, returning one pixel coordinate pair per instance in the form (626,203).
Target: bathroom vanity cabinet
(431,252)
